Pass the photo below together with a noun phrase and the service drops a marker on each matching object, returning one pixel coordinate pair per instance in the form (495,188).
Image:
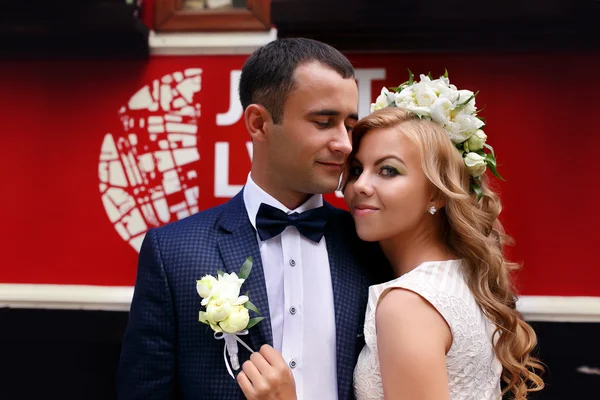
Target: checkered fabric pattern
(168,354)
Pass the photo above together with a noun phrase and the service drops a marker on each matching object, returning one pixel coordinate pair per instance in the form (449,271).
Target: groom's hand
(266,376)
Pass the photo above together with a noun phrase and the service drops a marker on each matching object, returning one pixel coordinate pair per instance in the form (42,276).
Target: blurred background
(122,115)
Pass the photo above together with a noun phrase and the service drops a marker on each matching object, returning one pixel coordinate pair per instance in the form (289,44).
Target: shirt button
(292,262)
(293,364)
(293,310)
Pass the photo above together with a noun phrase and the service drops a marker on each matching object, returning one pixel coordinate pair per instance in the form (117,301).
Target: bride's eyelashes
(389,171)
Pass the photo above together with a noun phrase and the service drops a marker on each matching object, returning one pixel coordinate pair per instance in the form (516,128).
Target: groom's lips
(360,210)
(332,165)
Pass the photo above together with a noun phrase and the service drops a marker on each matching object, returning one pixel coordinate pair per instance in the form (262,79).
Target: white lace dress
(473,369)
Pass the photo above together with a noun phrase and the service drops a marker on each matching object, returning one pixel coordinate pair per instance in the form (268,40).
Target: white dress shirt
(298,281)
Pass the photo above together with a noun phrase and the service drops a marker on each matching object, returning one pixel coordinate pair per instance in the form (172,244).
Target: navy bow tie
(271,221)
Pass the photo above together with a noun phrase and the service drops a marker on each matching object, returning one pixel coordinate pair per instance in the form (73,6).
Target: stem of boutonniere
(232,349)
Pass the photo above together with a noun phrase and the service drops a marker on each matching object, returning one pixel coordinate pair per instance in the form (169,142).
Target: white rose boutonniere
(227,313)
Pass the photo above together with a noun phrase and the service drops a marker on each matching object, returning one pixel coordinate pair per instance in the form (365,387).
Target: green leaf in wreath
(476,187)
(490,148)
(492,167)
(490,159)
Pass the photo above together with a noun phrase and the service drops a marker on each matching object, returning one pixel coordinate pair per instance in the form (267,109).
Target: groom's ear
(257,119)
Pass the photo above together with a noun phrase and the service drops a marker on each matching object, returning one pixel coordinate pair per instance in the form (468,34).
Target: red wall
(55,115)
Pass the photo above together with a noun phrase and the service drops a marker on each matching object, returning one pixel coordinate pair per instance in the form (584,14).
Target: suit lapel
(237,242)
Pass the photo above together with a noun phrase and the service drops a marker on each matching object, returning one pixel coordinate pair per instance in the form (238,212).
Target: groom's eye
(322,124)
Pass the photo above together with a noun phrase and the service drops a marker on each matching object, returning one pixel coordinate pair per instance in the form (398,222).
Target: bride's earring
(432,210)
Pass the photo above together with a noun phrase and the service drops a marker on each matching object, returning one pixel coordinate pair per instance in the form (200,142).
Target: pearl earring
(432,210)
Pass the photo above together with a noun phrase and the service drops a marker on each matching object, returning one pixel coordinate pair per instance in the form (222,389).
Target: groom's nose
(341,141)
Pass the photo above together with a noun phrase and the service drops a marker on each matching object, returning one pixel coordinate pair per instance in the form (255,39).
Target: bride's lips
(360,210)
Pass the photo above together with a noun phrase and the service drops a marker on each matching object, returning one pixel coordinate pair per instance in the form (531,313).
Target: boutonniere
(226,312)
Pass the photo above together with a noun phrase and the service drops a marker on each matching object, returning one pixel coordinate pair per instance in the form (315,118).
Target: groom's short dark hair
(267,75)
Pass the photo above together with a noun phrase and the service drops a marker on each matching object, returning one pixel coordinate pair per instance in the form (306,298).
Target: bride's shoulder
(436,283)
(438,274)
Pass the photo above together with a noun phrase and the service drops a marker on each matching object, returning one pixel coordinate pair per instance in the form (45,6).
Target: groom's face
(308,149)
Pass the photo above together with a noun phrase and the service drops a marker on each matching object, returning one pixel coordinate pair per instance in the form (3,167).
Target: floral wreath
(454,110)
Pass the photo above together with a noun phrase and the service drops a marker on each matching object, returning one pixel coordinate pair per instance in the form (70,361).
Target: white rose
(203,317)
(424,111)
(464,95)
(476,141)
(440,111)
(468,125)
(425,94)
(475,164)
(227,287)
(205,285)
(443,88)
(383,100)
(237,321)
(241,300)
(218,310)
(405,97)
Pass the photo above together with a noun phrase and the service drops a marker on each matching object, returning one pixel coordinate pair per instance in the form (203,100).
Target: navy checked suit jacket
(168,354)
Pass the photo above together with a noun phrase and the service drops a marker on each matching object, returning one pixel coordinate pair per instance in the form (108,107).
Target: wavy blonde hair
(472,231)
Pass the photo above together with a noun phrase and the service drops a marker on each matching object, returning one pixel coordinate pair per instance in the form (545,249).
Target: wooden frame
(170,16)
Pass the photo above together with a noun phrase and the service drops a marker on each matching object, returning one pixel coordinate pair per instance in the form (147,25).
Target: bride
(446,327)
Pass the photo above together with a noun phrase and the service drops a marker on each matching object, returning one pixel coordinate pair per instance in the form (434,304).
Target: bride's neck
(406,252)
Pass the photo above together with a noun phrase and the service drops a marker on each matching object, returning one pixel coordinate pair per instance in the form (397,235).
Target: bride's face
(387,190)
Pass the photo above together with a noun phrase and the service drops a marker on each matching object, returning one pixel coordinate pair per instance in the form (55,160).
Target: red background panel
(55,115)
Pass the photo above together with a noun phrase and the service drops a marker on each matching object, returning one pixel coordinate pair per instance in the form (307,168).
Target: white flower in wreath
(468,124)
(425,94)
(405,97)
(441,110)
(385,99)
(475,164)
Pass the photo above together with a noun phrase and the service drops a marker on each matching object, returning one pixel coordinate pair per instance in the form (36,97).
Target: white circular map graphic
(147,173)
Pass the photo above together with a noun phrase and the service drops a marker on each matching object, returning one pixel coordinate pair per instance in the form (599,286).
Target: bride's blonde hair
(472,231)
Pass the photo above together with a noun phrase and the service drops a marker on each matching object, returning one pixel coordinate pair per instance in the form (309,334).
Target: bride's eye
(389,171)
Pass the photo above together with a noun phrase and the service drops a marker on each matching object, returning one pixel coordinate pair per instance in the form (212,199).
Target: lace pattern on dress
(473,369)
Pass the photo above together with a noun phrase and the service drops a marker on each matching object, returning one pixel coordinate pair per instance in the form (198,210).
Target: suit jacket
(168,354)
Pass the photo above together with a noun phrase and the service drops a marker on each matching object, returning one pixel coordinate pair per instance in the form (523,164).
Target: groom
(300,102)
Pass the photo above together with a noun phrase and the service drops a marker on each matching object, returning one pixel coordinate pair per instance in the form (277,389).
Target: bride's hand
(266,376)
